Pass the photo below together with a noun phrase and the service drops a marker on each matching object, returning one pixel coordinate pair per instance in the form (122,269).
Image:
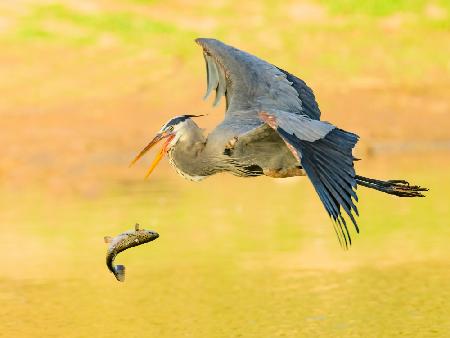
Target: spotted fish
(123,242)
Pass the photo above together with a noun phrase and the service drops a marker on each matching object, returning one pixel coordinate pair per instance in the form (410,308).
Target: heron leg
(284,172)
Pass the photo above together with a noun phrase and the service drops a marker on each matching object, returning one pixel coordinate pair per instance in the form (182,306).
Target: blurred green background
(85,84)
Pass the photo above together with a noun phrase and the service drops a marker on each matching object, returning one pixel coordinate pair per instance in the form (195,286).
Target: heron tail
(399,188)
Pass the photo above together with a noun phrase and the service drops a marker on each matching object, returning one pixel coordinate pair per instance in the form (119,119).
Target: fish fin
(136,227)
(120,273)
(108,239)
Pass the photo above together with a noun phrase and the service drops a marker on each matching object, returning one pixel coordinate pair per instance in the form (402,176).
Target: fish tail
(119,272)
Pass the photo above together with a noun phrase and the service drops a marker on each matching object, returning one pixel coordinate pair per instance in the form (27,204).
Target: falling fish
(123,242)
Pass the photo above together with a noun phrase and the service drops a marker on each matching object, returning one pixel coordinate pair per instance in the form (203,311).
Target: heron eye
(170,129)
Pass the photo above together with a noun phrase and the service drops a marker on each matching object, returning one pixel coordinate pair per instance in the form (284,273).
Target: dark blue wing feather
(306,95)
(328,162)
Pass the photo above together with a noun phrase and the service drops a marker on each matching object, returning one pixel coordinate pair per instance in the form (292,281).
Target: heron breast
(194,178)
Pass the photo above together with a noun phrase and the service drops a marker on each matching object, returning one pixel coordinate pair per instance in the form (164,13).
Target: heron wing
(325,153)
(249,83)
(306,95)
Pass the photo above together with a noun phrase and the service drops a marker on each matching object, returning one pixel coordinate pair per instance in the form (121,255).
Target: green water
(236,258)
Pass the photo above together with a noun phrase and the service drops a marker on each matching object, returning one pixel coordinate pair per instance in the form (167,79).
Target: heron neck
(188,156)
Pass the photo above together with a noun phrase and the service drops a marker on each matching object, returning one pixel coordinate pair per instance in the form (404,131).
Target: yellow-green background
(85,84)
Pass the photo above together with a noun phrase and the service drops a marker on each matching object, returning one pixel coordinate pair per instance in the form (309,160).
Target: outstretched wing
(287,104)
(325,153)
(249,83)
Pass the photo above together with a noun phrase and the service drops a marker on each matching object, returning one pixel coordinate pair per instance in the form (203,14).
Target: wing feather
(249,81)
(327,160)
(306,94)
(343,180)
(211,74)
(222,87)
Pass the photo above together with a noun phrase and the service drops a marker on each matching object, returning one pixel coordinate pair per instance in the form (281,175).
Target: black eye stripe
(179,119)
(176,120)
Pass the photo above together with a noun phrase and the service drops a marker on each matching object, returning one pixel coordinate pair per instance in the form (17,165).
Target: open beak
(157,139)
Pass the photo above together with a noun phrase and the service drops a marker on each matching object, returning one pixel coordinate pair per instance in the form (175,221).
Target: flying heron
(271,127)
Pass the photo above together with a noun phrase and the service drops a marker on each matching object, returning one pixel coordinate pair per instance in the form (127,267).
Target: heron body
(271,127)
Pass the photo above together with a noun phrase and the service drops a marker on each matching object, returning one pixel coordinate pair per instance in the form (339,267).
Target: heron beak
(157,139)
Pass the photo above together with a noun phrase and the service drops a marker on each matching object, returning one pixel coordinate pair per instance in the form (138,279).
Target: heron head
(171,132)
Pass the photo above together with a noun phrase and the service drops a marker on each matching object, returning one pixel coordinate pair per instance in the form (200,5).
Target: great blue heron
(271,127)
